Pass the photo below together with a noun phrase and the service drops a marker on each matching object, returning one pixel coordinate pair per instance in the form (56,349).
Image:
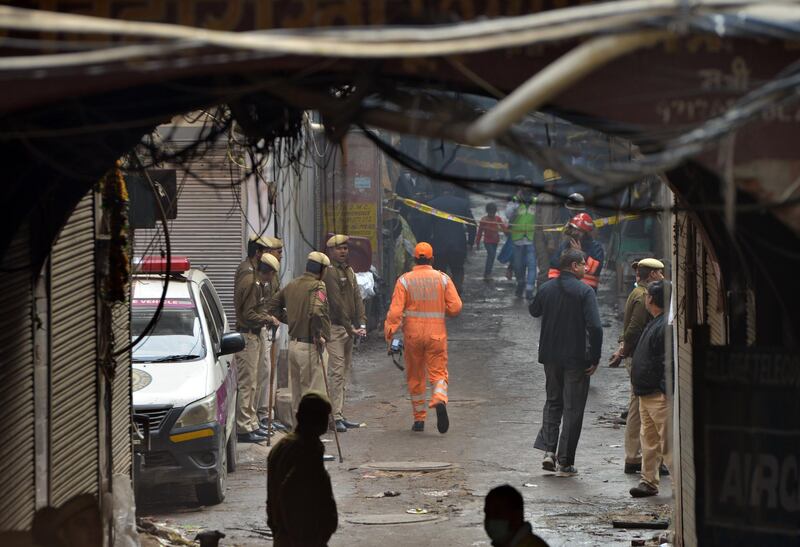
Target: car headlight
(199,412)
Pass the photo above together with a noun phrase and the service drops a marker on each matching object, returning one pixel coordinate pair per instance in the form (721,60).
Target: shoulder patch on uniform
(321,295)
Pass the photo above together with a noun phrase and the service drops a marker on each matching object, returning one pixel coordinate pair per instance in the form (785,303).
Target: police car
(184,380)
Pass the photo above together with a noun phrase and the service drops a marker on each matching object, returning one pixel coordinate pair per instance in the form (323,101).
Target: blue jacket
(571,333)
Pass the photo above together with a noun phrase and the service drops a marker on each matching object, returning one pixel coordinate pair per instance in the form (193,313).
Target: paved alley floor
(496,397)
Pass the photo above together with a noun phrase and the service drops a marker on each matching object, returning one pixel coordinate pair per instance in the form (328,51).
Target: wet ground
(496,397)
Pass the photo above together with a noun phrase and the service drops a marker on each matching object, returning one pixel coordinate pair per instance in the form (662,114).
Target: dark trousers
(451,263)
(491,252)
(567,390)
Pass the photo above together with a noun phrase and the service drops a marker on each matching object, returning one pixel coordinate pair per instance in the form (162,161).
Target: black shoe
(251,437)
(644,490)
(663,471)
(418,426)
(350,425)
(263,432)
(624,415)
(566,471)
(276,425)
(442,421)
(340,427)
(633,468)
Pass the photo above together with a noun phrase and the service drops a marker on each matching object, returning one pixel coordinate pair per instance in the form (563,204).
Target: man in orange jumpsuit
(421,300)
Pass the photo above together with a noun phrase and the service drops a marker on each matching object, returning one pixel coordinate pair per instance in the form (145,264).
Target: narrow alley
(496,399)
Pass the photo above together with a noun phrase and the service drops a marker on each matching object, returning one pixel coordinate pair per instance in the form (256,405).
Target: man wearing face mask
(504,519)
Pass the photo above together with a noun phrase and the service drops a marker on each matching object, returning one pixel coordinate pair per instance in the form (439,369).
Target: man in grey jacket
(569,348)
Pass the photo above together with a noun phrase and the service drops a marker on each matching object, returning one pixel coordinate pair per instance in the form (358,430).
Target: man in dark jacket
(449,238)
(301,511)
(649,383)
(569,348)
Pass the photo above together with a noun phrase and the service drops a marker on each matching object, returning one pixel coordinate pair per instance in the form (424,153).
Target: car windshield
(177,336)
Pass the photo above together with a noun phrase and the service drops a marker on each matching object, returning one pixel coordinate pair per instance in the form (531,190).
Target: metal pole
(273,384)
(328,393)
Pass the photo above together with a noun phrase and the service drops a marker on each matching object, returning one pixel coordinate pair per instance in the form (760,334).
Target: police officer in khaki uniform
(348,319)
(274,247)
(250,297)
(303,305)
(648,270)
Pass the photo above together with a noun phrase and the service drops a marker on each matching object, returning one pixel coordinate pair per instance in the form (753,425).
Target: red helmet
(582,222)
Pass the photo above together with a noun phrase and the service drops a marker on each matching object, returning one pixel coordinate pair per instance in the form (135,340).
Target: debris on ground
(386,494)
(158,533)
(209,538)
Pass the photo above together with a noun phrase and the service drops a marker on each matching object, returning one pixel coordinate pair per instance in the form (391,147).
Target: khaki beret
(321,258)
(651,263)
(263,241)
(338,239)
(550,175)
(274,243)
(271,261)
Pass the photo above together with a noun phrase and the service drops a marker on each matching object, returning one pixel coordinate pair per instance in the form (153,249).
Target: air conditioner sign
(748,456)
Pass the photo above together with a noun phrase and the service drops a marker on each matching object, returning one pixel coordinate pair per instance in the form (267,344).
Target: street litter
(417,511)
(437,493)
(615,446)
(530,485)
(387,494)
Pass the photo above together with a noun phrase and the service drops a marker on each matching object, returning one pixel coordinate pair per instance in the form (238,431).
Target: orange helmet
(582,222)
(423,250)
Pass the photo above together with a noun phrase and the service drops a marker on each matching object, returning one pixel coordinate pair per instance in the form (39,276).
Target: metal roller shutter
(121,392)
(686,495)
(74,453)
(209,227)
(17,450)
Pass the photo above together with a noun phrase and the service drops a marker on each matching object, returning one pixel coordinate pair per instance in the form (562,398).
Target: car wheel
(213,493)
(232,453)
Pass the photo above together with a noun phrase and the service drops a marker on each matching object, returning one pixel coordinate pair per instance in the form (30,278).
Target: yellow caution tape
(600,222)
(433,211)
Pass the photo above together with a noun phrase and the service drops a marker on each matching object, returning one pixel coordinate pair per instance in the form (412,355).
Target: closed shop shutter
(74,450)
(17,503)
(698,286)
(209,227)
(685,497)
(121,392)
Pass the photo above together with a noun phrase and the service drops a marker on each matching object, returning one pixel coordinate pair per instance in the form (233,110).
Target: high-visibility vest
(593,266)
(421,300)
(524,222)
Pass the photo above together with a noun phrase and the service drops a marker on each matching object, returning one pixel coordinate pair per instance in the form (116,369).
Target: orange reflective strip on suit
(439,394)
(421,300)
(552,273)
(591,280)
(592,265)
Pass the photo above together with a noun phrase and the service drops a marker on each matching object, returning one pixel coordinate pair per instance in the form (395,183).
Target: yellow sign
(354,219)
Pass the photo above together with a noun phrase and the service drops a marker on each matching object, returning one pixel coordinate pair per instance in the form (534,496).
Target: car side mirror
(232,342)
